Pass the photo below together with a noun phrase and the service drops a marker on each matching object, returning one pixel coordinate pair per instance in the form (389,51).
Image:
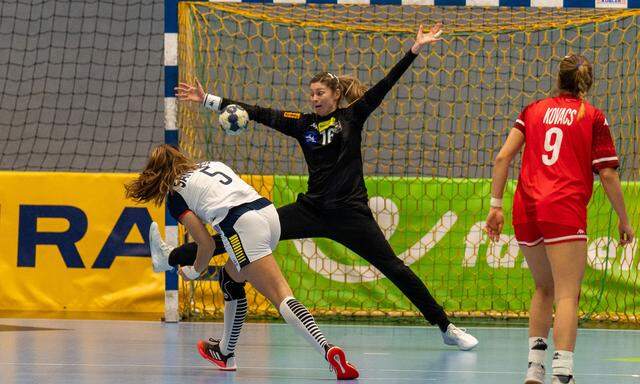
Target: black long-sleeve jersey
(331,144)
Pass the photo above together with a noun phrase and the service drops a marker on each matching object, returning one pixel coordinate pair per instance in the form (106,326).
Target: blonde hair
(575,76)
(350,88)
(166,163)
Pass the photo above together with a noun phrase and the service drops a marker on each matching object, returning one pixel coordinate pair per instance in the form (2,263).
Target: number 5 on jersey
(226,180)
(552,142)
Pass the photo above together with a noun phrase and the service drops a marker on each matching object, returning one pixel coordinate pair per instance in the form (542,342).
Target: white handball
(234,120)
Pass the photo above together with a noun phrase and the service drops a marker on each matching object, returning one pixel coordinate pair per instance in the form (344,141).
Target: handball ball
(234,120)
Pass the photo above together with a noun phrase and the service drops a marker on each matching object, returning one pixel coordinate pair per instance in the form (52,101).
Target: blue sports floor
(42,351)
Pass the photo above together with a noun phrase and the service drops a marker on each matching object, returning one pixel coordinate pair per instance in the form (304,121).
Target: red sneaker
(339,364)
(210,350)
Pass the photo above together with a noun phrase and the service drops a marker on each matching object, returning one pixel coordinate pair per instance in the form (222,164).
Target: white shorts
(250,231)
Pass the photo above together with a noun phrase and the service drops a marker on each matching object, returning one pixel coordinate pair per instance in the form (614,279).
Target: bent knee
(545,291)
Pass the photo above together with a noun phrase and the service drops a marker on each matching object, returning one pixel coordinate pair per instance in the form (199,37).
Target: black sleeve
(365,105)
(186,253)
(285,122)
(177,206)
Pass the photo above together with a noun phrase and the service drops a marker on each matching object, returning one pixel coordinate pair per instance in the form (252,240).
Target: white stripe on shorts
(531,244)
(602,159)
(562,238)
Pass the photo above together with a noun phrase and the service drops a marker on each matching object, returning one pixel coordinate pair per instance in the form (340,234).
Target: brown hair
(350,88)
(166,163)
(575,77)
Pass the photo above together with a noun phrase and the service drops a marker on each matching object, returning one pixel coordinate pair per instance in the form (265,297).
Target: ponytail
(349,87)
(584,80)
(576,77)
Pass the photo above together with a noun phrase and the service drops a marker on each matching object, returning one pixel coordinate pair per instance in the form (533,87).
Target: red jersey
(560,155)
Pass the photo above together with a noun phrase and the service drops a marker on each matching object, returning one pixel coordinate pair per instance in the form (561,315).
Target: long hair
(575,76)
(349,87)
(165,165)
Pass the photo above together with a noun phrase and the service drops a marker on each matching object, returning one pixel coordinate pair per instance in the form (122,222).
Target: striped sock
(297,315)
(235,311)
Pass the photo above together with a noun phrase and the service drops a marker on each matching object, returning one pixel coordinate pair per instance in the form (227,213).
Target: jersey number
(552,142)
(327,136)
(226,180)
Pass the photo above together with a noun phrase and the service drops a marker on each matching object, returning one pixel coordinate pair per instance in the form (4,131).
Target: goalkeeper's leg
(358,231)
(164,257)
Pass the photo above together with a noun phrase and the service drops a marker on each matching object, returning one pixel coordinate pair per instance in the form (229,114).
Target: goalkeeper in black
(335,204)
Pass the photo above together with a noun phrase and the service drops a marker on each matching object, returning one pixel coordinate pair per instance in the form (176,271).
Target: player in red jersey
(567,140)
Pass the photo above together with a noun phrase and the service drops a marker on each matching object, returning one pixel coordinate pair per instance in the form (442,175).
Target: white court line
(466,326)
(364,325)
(323,325)
(270,368)
(396,379)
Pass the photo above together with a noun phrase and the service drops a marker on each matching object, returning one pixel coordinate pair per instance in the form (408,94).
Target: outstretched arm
(364,106)
(281,121)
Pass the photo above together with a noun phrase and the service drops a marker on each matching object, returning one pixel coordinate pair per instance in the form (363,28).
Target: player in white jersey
(221,198)
(250,229)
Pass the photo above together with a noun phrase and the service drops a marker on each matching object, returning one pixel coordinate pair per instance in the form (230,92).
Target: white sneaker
(159,250)
(535,374)
(561,379)
(459,337)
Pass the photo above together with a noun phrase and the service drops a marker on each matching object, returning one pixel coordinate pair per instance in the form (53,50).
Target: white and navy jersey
(209,192)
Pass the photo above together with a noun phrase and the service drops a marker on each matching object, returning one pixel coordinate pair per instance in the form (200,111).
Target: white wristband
(190,272)
(495,203)
(212,102)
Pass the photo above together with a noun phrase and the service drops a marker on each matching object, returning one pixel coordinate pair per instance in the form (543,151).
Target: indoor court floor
(99,351)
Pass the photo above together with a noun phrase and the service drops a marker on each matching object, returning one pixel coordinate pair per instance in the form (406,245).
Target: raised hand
(427,38)
(188,92)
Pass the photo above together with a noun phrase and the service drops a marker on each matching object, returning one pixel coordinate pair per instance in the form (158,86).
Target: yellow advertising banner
(72,242)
